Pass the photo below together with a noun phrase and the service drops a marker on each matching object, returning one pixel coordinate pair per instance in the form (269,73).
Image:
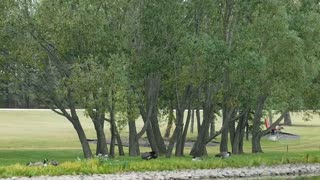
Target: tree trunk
(169,126)
(287,119)
(247,130)
(198,118)
(185,131)
(157,133)
(171,143)
(237,145)
(224,134)
(232,129)
(82,137)
(101,137)
(192,122)
(74,119)
(170,121)
(179,129)
(256,136)
(182,103)
(256,145)
(242,131)
(150,135)
(199,147)
(212,125)
(112,125)
(149,116)
(133,136)
(227,109)
(133,139)
(119,142)
(98,119)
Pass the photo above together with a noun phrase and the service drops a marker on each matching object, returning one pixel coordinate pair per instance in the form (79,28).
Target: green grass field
(34,135)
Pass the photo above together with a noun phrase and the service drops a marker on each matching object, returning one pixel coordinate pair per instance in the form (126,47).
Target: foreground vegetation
(127,164)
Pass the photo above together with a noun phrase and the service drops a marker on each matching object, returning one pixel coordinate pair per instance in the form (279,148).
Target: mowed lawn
(29,135)
(33,129)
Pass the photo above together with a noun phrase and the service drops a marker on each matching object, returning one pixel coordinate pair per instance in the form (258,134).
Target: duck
(223,155)
(149,155)
(54,163)
(38,164)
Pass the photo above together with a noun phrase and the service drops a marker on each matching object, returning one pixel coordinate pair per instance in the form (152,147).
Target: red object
(267,122)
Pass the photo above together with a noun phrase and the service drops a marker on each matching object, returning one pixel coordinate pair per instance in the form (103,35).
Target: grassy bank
(127,164)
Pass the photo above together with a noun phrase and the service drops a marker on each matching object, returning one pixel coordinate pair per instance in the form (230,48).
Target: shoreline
(259,172)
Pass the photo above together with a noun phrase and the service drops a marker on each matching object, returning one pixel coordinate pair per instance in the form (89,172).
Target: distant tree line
(123,59)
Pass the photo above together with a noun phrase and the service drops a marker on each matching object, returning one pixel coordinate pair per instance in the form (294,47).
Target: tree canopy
(226,57)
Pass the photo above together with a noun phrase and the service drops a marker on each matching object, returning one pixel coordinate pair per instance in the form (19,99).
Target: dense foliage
(236,59)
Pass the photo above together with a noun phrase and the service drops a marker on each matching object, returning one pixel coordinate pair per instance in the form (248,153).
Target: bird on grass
(38,164)
(223,155)
(54,163)
(149,155)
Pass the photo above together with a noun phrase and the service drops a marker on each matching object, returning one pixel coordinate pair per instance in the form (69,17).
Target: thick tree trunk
(101,137)
(199,147)
(150,136)
(182,103)
(242,131)
(82,137)
(179,129)
(171,143)
(224,134)
(256,145)
(133,139)
(133,135)
(237,145)
(256,136)
(157,133)
(149,116)
(287,119)
(98,119)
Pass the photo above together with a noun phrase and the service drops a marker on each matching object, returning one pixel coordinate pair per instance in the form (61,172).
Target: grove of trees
(238,59)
